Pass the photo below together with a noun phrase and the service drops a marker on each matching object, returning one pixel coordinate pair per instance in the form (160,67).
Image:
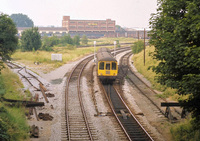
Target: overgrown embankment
(13,124)
(145,70)
(182,131)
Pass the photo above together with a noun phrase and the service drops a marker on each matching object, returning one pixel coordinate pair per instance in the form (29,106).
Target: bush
(2,87)
(71,47)
(137,47)
(76,40)
(185,132)
(31,39)
(49,42)
(84,40)
(66,39)
(4,136)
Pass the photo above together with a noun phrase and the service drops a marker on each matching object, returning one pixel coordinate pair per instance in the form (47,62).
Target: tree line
(32,40)
(175,34)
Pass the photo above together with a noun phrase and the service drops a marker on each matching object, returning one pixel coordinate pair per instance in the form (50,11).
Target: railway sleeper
(124,115)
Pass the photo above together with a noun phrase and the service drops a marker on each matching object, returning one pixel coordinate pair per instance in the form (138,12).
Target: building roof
(44,28)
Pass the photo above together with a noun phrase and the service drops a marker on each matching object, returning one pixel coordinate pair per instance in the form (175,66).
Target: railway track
(35,83)
(147,91)
(130,125)
(26,74)
(78,127)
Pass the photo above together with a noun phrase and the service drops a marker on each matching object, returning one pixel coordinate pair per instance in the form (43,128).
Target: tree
(118,28)
(175,34)
(76,40)
(84,40)
(31,39)
(49,42)
(22,20)
(8,38)
(66,39)
(137,47)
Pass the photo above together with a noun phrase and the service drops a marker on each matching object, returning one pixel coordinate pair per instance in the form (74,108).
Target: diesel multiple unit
(107,67)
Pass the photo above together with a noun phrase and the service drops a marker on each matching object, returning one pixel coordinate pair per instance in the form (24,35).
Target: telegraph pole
(115,42)
(144,46)
(94,51)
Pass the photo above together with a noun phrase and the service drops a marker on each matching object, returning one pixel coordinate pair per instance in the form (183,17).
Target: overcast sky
(126,13)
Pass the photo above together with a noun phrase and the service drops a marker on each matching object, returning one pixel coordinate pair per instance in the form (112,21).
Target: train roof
(105,56)
(104,49)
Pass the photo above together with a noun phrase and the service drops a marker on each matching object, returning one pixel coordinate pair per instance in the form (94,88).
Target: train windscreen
(101,65)
(108,66)
(114,66)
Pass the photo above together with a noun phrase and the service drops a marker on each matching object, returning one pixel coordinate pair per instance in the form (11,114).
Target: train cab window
(108,66)
(101,65)
(114,66)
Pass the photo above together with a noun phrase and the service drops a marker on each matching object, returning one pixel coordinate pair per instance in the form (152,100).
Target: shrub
(185,132)
(137,47)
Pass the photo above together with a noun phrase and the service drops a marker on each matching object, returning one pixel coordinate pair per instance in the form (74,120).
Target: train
(107,66)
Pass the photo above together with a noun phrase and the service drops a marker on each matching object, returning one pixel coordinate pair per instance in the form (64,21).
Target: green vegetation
(76,40)
(138,60)
(22,20)
(13,124)
(175,34)
(110,41)
(8,39)
(49,42)
(31,40)
(137,47)
(185,131)
(66,39)
(84,40)
(69,53)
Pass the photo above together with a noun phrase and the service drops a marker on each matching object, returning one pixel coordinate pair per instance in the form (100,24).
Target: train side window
(107,66)
(101,65)
(114,66)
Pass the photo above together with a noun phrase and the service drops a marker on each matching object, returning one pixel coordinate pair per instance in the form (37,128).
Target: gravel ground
(105,127)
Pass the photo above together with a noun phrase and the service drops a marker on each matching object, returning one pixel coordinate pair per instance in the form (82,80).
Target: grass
(138,60)
(13,86)
(13,124)
(44,57)
(185,131)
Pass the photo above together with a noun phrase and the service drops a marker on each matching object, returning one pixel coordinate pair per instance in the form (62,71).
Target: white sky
(126,13)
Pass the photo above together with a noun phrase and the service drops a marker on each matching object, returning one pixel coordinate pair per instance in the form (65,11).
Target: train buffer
(168,111)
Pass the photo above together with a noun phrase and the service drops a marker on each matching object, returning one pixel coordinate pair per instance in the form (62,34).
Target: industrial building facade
(91,28)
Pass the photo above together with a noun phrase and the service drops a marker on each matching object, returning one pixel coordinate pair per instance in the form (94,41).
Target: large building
(48,31)
(91,28)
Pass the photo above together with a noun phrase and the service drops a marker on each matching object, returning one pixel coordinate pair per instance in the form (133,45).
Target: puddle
(56,81)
